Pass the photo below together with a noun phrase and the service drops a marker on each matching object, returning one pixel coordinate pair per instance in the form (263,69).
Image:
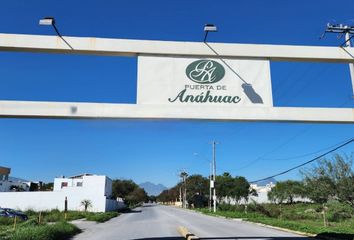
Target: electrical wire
(303,155)
(305,163)
(62,38)
(275,149)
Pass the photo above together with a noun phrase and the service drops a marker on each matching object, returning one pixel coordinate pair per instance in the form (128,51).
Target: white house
(262,195)
(96,188)
(7,185)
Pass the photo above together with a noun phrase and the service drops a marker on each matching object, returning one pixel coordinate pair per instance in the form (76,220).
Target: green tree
(129,191)
(86,203)
(224,185)
(242,189)
(197,185)
(331,179)
(138,195)
(320,189)
(47,186)
(286,191)
(169,195)
(233,187)
(197,190)
(122,188)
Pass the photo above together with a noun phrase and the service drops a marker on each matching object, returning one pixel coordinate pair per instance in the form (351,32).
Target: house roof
(81,175)
(5,170)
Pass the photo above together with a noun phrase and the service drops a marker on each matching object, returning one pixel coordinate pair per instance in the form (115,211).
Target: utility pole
(210,179)
(180,195)
(184,176)
(212,183)
(351,65)
(348,32)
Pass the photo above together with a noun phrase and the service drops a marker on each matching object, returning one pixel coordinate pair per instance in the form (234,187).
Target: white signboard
(193,81)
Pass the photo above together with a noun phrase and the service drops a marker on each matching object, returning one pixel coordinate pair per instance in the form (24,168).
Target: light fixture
(209,28)
(50,21)
(47,21)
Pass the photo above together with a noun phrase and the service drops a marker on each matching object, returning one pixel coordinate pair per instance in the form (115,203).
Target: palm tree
(86,203)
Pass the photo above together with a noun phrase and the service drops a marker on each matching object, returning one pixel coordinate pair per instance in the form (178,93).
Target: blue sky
(154,151)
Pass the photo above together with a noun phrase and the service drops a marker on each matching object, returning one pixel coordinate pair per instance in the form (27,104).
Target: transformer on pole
(348,33)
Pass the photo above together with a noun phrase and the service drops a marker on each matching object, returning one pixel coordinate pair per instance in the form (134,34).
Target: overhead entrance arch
(184,80)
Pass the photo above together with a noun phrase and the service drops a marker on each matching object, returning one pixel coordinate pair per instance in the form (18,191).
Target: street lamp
(209,28)
(214,175)
(50,21)
(210,177)
(184,176)
(212,189)
(47,21)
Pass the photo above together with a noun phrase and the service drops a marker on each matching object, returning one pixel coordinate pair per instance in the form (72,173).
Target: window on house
(64,184)
(79,184)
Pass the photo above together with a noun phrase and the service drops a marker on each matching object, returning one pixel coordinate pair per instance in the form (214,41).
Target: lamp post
(212,185)
(210,178)
(209,28)
(50,21)
(184,176)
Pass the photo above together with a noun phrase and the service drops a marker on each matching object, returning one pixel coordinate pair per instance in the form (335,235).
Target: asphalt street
(155,222)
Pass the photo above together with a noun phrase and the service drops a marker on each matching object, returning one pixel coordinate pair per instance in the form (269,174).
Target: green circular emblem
(205,71)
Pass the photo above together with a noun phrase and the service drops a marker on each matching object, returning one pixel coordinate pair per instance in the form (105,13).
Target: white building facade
(95,188)
(7,185)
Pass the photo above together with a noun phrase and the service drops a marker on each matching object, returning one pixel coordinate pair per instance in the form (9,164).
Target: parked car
(8,212)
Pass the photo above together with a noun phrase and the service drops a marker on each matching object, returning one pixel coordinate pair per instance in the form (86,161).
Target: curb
(311,235)
(282,229)
(263,225)
(186,234)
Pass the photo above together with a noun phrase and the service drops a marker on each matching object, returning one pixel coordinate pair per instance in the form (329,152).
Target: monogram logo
(205,71)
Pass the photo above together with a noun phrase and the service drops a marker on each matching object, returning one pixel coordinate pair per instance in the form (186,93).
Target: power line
(307,128)
(303,155)
(305,163)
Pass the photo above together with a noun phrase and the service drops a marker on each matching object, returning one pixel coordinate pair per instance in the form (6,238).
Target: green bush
(258,208)
(339,216)
(305,217)
(273,210)
(6,221)
(293,215)
(30,223)
(30,212)
(229,207)
(58,231)
(101,217)
(338,212)
(56,215)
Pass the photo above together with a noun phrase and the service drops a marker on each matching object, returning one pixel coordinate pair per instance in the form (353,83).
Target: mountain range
(152,189)
(267,181)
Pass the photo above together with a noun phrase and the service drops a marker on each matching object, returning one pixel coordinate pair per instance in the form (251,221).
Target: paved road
(155,222)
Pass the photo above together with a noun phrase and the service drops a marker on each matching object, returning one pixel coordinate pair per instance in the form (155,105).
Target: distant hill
(267,181)
(152,189)
(15,179)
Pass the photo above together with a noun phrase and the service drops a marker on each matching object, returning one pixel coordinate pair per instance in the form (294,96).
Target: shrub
(227,207)
(254,207)
(56,215)
(6,221)
(339,211)
(339,216)
(61,230)
(101,217)
(30,212)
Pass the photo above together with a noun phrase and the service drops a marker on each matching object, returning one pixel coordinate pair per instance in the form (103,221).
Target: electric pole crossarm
(347,31)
